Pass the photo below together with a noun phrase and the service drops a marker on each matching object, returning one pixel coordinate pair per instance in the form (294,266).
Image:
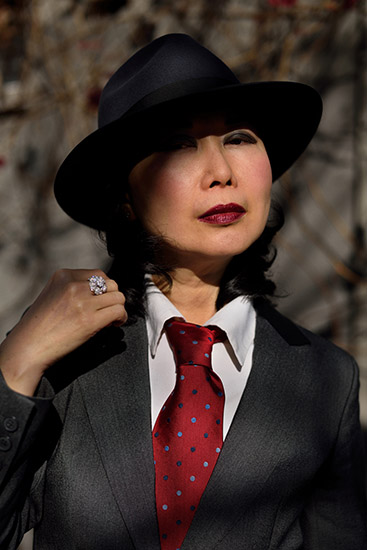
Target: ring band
(97,285)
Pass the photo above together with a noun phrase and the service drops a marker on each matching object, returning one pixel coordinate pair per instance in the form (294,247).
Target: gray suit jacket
(79,467)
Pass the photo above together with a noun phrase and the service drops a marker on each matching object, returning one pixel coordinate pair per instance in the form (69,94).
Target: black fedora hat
(169,75)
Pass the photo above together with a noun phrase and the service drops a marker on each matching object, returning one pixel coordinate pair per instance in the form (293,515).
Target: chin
(232,248)
(217,256)
(218,250)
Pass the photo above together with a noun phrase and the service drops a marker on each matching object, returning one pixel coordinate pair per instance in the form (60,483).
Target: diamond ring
(97,285)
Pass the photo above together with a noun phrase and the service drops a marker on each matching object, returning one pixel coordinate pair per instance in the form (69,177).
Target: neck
(193,294)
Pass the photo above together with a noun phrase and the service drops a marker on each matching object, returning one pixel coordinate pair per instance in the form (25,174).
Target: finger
(115,314)
(111,285)
(69,277)
(108,299)
(85,274)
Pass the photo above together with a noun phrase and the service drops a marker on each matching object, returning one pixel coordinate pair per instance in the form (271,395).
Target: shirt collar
(159,309)
(237,319)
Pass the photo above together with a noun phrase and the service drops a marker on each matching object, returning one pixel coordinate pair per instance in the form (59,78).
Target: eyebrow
(231,119)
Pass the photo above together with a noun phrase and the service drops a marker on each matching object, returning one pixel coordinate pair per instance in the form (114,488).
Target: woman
(253,440)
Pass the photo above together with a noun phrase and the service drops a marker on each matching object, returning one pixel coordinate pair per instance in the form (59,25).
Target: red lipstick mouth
(223,214)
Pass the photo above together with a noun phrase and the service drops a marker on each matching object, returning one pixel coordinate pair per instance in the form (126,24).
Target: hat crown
(166,62)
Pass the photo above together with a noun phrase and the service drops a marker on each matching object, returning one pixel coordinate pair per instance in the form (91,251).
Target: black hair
(136,253)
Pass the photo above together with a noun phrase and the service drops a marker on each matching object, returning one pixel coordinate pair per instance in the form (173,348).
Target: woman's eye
(175,143)
(243,137)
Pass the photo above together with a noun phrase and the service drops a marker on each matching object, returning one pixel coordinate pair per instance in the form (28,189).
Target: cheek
(156,190)
(263,169)
(265,190)
(261,180)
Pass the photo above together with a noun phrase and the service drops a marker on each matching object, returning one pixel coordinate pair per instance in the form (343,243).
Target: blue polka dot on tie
(192,508)
(182,377)
(165,478)
(166,448)
(164,536)
(193,420)
(220,394)
(192,478)
(217,450)
(205,464)
(182,332)
(180,405)
(179,434)
(179,463)
(178,522)
(164,506)
(210,339)
(193,449)
(207,406)
(195,342)
(217,421)
(178,493)
(206,354)
(206,435)
(194,392)
(156,434)
(191,362)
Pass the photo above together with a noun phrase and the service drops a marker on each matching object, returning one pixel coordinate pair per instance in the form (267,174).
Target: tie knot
(192,344)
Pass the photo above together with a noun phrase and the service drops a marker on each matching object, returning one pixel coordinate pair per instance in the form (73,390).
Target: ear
(127,209)
(128,212)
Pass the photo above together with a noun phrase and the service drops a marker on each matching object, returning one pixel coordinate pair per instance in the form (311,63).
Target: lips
(223,214)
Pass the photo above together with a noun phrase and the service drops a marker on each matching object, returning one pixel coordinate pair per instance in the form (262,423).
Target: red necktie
(188,433)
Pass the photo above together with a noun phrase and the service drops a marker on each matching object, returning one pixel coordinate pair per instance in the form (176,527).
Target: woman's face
(205,190)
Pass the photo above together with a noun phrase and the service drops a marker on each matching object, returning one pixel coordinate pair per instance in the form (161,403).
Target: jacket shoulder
(320,350)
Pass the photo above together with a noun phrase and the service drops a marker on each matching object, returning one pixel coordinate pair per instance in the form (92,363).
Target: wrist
(19,374)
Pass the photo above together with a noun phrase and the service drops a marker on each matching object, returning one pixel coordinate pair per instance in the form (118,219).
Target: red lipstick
(223,214)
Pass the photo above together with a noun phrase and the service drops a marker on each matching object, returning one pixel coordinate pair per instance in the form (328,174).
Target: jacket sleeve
(24,447)
(30,428)
(335,515)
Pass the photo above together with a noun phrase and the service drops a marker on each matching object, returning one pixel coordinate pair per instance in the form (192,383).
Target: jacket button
(5,443)
(11,424)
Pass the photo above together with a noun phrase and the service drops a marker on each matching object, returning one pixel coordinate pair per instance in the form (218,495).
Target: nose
(217,168)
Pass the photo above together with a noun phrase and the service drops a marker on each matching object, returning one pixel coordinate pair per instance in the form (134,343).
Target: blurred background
(55,58)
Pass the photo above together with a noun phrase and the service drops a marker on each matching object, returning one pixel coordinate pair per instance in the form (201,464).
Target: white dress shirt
(231,360)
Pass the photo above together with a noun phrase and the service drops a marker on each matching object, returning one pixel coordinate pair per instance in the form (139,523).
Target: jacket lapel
(255,441)
(117,400)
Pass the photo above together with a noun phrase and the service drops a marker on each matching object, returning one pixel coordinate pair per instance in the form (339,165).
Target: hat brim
(284,114)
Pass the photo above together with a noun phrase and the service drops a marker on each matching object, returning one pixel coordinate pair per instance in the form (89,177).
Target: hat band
(177,90)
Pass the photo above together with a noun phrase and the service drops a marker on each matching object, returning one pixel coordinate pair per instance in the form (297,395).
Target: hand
(64,316)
